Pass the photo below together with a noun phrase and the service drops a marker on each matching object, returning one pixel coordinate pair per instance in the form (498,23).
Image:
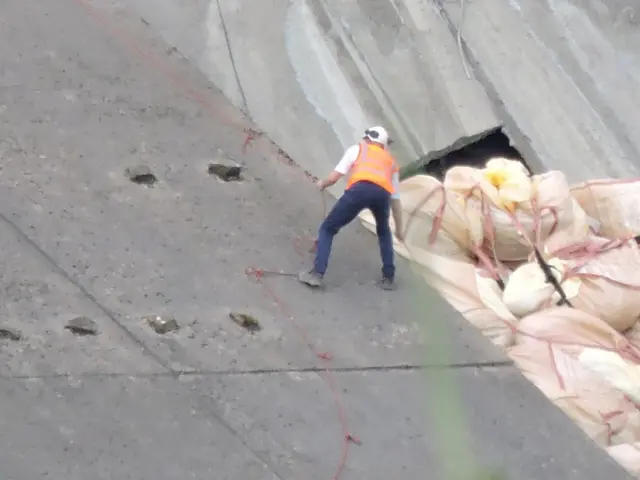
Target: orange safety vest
(374,164)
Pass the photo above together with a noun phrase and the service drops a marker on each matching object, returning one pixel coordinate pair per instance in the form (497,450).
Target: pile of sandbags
(546,271)
(598,276)
(580,362)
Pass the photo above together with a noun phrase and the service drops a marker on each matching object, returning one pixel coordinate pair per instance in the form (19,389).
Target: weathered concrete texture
(111,427)
(279,426)
(38,300)
(409,61)
(88,90)
(315,73)
(562,75)
(494,401)
(566,77)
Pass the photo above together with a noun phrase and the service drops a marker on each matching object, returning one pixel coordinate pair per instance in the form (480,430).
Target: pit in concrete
(473,154)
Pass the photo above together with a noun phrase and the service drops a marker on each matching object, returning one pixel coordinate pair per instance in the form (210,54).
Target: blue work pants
(359,196)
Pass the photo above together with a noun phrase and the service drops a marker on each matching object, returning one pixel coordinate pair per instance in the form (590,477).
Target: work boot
(311,279)
(387,284)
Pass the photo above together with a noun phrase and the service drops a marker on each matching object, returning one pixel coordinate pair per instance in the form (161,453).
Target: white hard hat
(377,135)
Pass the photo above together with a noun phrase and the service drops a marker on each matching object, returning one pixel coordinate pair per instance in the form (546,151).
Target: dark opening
(225,172)
(476,154)
(141,174)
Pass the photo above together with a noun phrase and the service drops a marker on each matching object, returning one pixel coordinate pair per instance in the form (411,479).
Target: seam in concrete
(88,295)
(225,32)
(371,368)
(170,373)
(266,371)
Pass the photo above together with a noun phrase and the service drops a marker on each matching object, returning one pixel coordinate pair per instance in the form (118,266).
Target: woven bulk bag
(598,276)
(428,211)
(547,350)
(474,294)
(527,289)
(613,203)
(633,334)
(627,455)
(622,374)
(517,210)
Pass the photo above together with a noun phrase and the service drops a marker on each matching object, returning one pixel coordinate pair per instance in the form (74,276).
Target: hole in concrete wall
(225,168)
(162,324)
(246,321)
(476,154)
(141,174)
(10,333)
(82,326)
(226,173)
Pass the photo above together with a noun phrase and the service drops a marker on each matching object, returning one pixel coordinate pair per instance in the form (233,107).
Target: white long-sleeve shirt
(349,158)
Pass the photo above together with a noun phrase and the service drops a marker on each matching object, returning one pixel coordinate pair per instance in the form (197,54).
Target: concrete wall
(314,74)
(562,75)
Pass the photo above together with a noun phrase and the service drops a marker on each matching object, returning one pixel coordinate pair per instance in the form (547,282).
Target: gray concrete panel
(105,428)
(561,79)
(284,426)
(407,56)
(37,301)
(404,426)
(314,74)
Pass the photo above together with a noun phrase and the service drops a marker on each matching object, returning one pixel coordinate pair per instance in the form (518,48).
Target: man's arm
(347,161)
(396,207)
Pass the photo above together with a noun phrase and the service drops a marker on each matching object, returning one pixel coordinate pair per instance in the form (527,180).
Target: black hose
(550,278)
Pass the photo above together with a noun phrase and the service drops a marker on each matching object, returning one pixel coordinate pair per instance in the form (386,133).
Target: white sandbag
(598,277)
(611,367)
(613,203)
(627,455)
(527,290)
(429,211)
(547,350)
(473,294)
(517,210)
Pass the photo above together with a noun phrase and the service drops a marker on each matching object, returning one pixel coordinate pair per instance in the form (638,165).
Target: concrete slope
(314,74)
(87,90)
(564,76)
(560,75)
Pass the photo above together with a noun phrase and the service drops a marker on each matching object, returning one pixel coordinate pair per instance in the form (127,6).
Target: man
(372,183)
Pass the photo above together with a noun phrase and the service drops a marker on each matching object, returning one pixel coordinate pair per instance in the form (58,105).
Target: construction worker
(372,183)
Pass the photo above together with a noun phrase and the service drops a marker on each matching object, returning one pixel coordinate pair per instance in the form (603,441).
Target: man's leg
(343,212)
(380,208)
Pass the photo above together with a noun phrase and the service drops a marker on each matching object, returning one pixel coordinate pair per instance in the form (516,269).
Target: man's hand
(396,208)
(330,180)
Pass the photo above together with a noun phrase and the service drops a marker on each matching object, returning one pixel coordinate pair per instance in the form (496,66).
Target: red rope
(324,357)
(250,138)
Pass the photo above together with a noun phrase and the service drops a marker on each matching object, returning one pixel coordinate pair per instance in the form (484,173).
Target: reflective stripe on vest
(374,164)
